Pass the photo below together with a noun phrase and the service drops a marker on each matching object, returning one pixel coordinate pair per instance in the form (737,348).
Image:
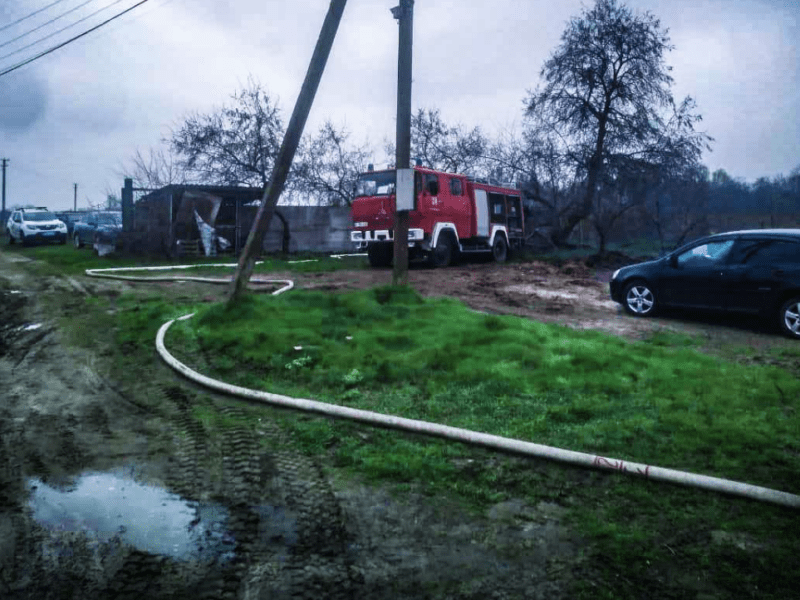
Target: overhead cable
(33,14)
(61,45)
(49,35)
(54,19)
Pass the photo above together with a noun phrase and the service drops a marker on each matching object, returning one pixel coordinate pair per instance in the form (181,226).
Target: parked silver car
(28,225)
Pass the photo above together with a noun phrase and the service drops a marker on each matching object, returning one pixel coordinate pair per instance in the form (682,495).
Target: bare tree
(451,148)
(155,169)
(328,166)
(233,145)
(606,91)
(535,163)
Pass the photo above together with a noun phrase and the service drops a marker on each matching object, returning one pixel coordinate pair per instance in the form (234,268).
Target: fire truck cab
(452,215)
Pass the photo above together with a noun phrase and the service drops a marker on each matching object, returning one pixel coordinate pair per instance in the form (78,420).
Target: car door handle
(777,271)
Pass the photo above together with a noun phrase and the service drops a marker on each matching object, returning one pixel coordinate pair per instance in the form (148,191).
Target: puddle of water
(148,518)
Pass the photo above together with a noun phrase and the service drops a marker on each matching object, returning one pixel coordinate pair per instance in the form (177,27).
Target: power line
(17,51)
(61,45)
(34,13)
(30,31)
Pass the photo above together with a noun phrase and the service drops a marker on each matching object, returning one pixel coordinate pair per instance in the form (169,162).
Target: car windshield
(375,184)
(107,219)
(39,216)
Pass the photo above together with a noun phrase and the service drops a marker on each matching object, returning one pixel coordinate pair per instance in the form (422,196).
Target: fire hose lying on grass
(493,442)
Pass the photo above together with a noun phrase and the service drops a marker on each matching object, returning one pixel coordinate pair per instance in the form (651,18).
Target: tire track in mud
(190,445)
(321,564)
(290,534)
(297,543)
(189,478)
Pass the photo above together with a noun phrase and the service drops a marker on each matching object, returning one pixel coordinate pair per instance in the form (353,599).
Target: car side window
(769,252)
(705,254)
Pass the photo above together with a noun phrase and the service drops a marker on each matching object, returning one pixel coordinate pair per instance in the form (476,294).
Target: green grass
(390,351)
(658,401)
(66,260)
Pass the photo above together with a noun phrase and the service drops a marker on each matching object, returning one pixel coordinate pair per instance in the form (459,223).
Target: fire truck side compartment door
(482,213)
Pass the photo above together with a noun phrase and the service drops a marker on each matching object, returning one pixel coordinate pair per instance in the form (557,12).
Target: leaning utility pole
(405,17)
(291,140)
(5,162)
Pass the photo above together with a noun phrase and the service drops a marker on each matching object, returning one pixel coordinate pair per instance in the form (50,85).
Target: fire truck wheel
(442,254)
(500,249)
(380,255)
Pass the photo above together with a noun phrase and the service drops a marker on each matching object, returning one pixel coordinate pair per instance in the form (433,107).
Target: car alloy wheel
(639,299)
(790,318)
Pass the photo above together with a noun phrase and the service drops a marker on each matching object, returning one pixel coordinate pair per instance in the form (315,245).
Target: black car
(755,271)
(69,218)
(97,227)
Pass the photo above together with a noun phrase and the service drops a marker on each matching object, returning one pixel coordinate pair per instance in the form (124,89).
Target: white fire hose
(494,442)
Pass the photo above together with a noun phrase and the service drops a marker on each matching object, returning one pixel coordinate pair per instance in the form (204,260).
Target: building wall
(164,216)
(312,229)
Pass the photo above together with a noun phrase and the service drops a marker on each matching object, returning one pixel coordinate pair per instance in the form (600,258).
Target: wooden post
(127,205)
(291,140)
(405,17)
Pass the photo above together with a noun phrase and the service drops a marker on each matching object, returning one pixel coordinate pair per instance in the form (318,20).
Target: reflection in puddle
(148,518)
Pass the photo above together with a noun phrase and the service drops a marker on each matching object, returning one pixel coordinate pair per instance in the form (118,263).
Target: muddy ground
(568,293)
(111,488)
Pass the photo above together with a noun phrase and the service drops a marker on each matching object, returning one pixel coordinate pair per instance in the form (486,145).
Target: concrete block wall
(312,229)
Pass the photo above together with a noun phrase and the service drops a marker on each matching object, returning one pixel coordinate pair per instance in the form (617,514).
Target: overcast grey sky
(77,114)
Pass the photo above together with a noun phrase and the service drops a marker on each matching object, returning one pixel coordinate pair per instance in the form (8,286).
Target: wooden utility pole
(291,139)
(4,162)
(75,198)
(405,17)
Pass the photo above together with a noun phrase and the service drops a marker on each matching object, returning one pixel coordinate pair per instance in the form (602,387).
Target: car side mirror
(673,261)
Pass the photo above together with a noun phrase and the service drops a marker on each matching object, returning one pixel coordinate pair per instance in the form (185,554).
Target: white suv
(28,225)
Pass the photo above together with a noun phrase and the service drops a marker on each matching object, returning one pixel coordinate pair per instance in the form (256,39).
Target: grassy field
(65,260)
(390,351)
(658,402)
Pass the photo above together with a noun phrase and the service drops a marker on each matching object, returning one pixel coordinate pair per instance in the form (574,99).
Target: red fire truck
(451,215)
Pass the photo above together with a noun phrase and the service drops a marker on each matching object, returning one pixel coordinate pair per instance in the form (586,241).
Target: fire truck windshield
(375,184)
